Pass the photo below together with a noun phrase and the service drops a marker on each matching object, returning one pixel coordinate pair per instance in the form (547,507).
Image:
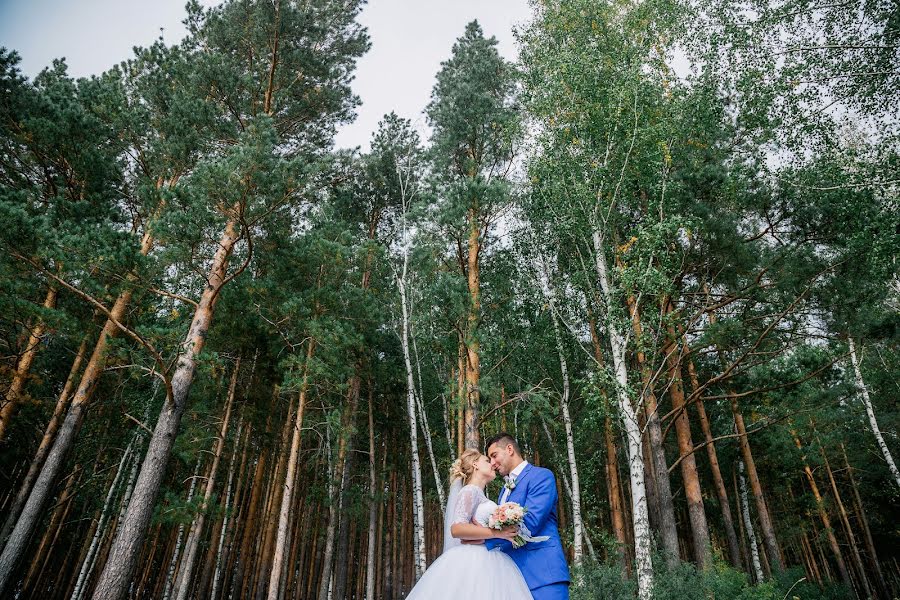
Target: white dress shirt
(513,475)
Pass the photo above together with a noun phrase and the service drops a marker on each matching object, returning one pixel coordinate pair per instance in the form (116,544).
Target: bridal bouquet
(511,513)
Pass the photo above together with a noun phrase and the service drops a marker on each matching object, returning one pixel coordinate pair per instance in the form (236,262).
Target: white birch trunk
(427,429)
(748,522)
(418,503)
(88,565)
(870,411)
(632,430)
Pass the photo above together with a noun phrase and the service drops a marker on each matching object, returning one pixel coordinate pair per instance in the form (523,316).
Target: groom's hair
(502,439)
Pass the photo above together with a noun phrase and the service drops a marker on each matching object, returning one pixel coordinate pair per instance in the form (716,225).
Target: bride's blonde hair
(464,466)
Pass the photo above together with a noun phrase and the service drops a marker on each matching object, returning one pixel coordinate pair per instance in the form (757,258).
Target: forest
(660,248)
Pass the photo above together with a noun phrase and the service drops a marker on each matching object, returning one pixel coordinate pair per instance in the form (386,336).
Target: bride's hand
(508,533)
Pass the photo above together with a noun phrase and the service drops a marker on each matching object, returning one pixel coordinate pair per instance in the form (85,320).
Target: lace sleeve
(465,505)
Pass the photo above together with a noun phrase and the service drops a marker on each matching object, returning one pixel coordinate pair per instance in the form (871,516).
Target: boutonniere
(510,485)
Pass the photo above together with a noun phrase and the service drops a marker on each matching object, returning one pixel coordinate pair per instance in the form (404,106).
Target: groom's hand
(472,542)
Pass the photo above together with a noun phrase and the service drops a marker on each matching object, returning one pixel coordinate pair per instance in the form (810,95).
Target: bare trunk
(14,393)
(826,521)
(191,549)
(641,519)
(577,523)
(870,411)
(281,538)
(418,503)
(46,442)
(116,576)
(473,346)
(226,517)
(65,438)
(734,551)
(373,505)
(765,520)
(668,531)
(748,523)
(88,563)
(169,583)
(867,532)
(692,491)
(848,531)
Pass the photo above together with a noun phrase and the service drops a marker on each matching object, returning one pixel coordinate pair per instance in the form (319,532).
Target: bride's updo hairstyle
(464,466)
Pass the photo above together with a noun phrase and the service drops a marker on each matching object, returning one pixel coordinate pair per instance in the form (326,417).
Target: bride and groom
(483,563)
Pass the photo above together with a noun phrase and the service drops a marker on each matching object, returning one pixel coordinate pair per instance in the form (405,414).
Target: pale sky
(409,38)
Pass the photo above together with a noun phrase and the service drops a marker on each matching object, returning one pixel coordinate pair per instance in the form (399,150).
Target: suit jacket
(541,563)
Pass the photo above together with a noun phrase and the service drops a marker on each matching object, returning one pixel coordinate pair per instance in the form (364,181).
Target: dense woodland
(660,249)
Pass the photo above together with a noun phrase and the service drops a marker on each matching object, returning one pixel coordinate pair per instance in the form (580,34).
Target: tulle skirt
(471,573)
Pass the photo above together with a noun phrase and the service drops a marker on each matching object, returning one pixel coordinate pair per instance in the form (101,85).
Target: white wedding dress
(470,572)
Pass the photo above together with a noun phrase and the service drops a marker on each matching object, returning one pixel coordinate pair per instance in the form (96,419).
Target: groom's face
(501,458)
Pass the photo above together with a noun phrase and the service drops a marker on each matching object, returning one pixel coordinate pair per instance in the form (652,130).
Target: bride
(466,569)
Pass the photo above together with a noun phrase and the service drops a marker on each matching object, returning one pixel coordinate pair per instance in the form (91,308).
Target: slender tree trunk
(848,531)
(226,516)
(169,584)
(692,491)
(116,575)
(473,345)
(668,531)
(867,532)
(418,504)
(870,411)
(87,565)
(826,521)
(577,522)
(68,431)
(46,442)
(640,518)
(373,504)
(734,551)
(337,474)
(748,524)
(281,538)
(765,520)
(14,393)
(191,548)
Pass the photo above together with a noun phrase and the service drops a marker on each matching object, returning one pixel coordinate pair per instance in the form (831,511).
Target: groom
(543,564)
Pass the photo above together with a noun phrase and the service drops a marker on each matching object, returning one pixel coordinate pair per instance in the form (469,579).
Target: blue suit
(543,564)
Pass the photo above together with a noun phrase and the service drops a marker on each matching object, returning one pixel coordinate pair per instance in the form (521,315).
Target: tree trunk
(765,520)
(734,551)
(88,564)
(191,548)
(668,531)
(748,523)
(169,584)
(848,531)
(373,505)
(867,532)
(14,393)
(46,442)
(418,504)
(640,516)
(870,411)
(577,522)
(281,538)
(826,521)
(226,516)
(67,433)
(473,345)
(692,491)
(116,575)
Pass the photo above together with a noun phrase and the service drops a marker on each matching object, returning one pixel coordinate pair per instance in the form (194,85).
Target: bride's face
(483,466)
